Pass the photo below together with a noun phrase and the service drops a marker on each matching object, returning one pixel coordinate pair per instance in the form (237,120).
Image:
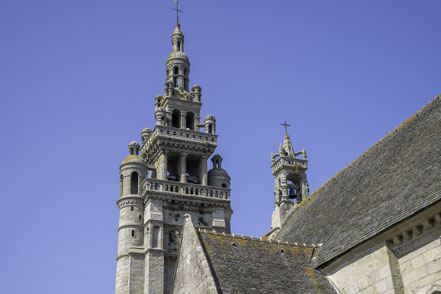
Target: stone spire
(178,64)
(287,146)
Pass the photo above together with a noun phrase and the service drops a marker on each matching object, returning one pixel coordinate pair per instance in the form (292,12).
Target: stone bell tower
(290,182)
(164,179)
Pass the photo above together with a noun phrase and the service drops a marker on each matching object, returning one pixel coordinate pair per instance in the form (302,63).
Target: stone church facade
(375,227)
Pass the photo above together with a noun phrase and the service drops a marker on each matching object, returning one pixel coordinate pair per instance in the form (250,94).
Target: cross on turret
(177,10)
(286,127)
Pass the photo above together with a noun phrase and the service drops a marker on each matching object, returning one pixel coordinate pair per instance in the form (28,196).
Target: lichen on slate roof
(394,179)
(250,265)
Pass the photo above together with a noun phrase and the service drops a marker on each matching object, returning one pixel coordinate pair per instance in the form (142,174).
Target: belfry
(290,181)
(165,178)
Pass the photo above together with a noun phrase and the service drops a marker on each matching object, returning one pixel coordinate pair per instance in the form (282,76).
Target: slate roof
(250,265)
(394,179)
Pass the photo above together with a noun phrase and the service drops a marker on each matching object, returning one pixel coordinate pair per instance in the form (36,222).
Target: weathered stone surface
(193,274)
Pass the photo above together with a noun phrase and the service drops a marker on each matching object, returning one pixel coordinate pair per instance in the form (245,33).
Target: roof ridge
(388,135)
(213,232)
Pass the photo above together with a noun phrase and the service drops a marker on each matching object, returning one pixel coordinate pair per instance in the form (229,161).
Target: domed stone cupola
(178,64)
(217,176)
(133,154)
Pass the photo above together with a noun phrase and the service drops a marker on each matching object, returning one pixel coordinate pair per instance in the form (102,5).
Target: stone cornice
(129,200)
(131,226)
(394,237)
(185,199)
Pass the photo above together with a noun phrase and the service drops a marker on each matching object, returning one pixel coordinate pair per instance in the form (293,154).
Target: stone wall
(154,274)
(414,267)
(369,273)
(421,268)
(122,275)
(136,285)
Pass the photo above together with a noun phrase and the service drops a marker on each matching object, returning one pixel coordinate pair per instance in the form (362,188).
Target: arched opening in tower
(173,167)
(294,190)
(189,121)
(121,185)
(176,118)
(134,183)
(193,169)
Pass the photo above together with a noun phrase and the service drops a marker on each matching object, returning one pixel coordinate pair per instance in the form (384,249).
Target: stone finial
(145,135)
(158,99)
(133,148)
(217,161)
(168,87)
(210,124)
(196,91)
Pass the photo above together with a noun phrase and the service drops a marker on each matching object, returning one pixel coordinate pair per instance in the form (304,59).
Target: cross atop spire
(177,10)
(286,127)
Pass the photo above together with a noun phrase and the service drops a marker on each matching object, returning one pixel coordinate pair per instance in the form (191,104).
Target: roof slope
(395,178)
(249,265)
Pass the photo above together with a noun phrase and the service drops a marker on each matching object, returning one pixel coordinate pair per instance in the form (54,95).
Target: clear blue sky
(78,79)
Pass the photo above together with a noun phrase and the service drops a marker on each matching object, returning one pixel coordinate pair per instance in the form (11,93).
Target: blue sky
(78,79)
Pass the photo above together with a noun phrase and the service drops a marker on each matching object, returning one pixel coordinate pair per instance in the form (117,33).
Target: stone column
(203,170)
(181,78)
(183,121)
(305,187)
(163,167)
(197,121)
(161,238)
(183,168)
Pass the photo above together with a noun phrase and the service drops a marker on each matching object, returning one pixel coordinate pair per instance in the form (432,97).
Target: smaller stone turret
(210,124)
(197,93)
(178,64)
(145,135)
(290,182)
(130,231)
(217,176)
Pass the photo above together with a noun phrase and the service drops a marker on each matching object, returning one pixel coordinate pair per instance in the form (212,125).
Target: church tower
(164,179)
(290,182)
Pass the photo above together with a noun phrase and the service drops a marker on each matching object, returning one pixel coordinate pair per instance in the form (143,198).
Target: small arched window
(175,70)
(210,129)
(179,46)
(176,118)
(189,120)
(121,185)
(133,234)
(134,183)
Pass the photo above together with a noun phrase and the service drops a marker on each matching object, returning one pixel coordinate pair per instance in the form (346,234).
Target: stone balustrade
(176,133)
(283,161)
(185,189)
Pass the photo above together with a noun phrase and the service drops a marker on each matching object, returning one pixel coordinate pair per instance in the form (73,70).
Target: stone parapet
(175,133)
(185,189)
(290,162)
